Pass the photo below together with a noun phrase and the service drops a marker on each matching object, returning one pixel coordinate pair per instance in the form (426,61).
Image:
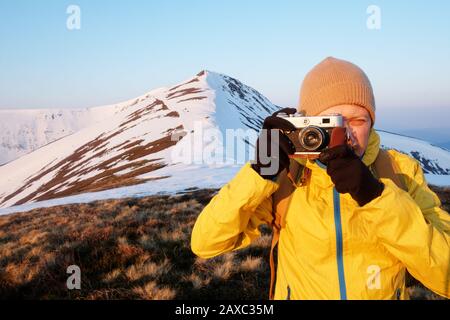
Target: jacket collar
(373,147)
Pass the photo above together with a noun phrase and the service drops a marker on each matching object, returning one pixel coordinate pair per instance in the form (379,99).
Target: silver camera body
(313,133)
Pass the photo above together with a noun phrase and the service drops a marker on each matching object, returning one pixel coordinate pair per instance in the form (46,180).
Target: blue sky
(125,48)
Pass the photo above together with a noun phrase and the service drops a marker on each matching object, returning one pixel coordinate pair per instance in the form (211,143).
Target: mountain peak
(202,73)
(206,73)
(132,143)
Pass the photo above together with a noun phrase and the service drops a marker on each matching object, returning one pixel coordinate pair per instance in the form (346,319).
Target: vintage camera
(313,133)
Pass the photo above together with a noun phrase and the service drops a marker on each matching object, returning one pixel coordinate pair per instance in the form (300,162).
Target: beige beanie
(334,82)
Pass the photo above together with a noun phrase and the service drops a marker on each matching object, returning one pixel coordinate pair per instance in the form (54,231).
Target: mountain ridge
(133,141)
(130,148)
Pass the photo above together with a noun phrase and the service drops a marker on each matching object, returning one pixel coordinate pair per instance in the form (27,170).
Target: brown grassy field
(131,249)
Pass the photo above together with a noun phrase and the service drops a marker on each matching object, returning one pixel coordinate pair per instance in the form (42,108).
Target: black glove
(284,145)
(348,173)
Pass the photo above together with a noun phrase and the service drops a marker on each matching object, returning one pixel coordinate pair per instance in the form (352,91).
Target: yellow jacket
(331,248)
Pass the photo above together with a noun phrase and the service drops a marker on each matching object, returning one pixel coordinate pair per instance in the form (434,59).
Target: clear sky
(125,48)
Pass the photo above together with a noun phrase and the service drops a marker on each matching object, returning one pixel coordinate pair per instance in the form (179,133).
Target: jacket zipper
(339,246)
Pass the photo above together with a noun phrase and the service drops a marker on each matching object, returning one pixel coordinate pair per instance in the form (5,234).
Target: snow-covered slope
(133,143)
(25,130)
(151,144)
(435,161)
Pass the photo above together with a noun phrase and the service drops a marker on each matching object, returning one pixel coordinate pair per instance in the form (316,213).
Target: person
(347,233)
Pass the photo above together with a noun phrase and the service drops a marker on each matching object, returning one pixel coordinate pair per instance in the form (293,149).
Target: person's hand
(273,148)
(348,173)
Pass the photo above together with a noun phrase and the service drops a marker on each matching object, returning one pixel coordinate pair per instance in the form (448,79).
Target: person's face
(358,121)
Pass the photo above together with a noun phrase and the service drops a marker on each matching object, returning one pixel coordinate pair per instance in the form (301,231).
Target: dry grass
(131,249)
(151,291)
(251,264)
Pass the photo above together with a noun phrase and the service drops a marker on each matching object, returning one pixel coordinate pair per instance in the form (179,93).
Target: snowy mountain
(23,131)
(434,160)
(167,140)
(130,144)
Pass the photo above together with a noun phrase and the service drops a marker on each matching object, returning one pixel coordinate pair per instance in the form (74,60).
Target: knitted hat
(334,82)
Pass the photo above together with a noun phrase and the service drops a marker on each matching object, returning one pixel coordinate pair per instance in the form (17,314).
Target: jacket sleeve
(413,227)
(231,219)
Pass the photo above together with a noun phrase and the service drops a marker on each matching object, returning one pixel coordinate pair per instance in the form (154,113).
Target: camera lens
(312,138)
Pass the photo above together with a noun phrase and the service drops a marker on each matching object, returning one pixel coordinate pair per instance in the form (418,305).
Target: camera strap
(385,167)
(296,176)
